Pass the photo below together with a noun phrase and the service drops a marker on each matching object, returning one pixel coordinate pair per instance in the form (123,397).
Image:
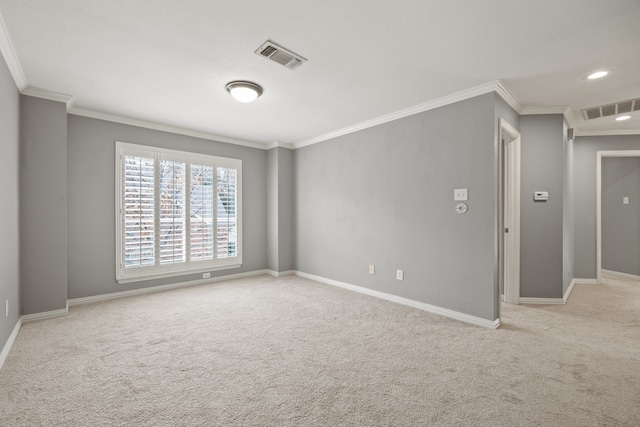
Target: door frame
(509,211)
(600,155)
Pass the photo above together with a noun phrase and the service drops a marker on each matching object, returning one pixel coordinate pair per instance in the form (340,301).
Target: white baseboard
(586,281)
(569,290)
(533,300)
(478,321)
(151,289)
(7,346)
(389,297)
(563,300)
(281,273)
(77,301)
(26,319)
(619,275)
(46,315)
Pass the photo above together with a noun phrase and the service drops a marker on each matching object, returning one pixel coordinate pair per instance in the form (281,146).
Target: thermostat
(461,208)
(540,196)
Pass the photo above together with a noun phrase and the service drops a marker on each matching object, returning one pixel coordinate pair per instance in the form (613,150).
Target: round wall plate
(461,208)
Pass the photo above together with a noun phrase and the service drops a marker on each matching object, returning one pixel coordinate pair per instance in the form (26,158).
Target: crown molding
(47,94)
(565,110)
(10,57)
(543,109)
(163,128)
(275,144)
(620,132)
(568,116)
(416,109)
(507,96)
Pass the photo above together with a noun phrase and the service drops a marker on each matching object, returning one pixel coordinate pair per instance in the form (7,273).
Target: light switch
(625,200)
(460,194)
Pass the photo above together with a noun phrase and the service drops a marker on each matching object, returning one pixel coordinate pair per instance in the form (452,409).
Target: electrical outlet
(6,308)
(372,269)
(399,274)
(206,275)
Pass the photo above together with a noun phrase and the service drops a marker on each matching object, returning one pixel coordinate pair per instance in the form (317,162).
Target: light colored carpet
(291,352)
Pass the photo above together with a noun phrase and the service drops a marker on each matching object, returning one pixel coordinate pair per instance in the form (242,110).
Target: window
(177,212)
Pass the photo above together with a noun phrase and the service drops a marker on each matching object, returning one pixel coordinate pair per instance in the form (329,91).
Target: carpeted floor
(264,351)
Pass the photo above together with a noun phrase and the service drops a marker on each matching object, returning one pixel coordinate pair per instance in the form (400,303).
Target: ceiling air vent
(608,110)
(280,55)
(625,107)
(592,113)
(611,109)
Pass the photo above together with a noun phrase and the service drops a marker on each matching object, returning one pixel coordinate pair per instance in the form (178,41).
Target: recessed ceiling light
(243,91)
(621,118)
(597,75)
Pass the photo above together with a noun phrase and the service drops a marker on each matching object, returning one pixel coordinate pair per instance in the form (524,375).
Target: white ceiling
(167,61)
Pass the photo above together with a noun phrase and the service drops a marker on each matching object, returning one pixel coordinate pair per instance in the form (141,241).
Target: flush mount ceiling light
(621,118)
(597,75)
(243,91)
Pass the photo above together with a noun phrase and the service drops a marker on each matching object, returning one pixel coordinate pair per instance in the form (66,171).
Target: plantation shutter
(172,209)
(139,211)
(177,213)
(202,213)
(227,219)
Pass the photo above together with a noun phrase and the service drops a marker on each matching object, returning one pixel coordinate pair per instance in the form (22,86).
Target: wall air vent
(611,109)
(280,55)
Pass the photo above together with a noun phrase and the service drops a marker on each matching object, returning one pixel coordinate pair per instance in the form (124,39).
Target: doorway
(509,214)
(599,205)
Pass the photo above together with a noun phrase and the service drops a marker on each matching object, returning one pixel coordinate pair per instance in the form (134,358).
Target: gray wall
(384,196)
(584,175)
(541,238)
(620,222)
(286,218)
(43,205)
(9,193)
(272,209)
(91,212)
(280,217)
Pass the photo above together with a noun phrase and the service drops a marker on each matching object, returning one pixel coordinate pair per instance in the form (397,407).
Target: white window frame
(136,274)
